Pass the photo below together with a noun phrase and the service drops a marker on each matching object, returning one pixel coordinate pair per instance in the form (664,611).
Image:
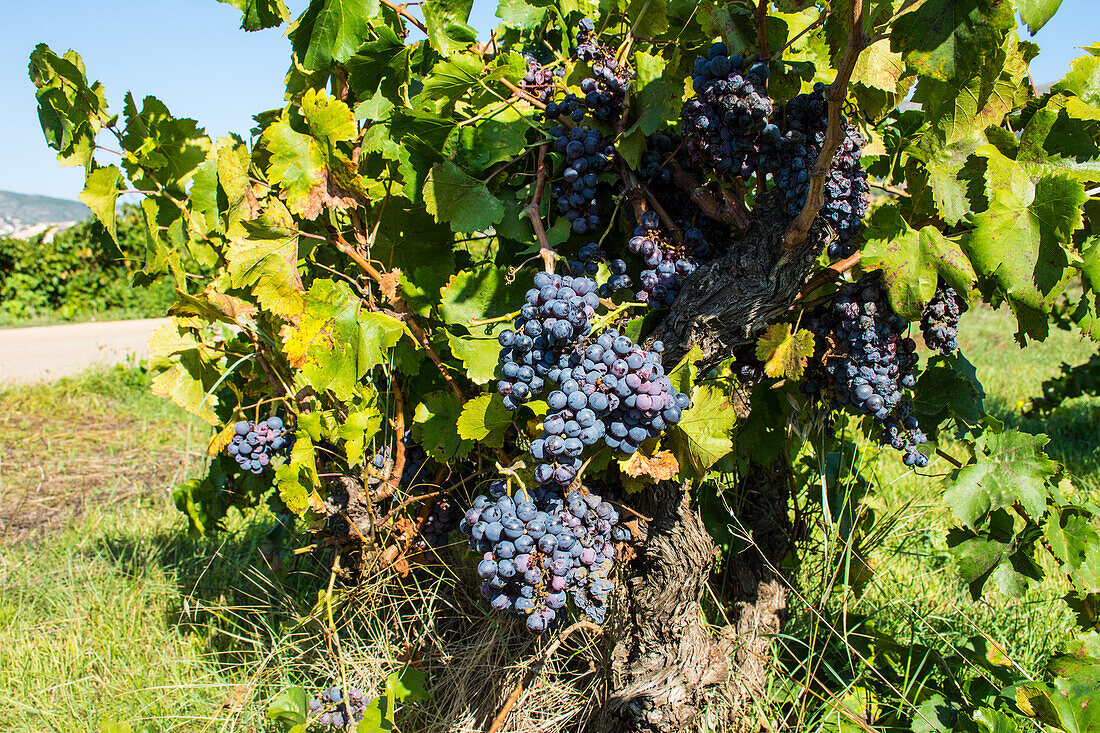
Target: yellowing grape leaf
(784,353)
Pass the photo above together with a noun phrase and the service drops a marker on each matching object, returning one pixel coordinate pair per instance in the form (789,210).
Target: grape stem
(760,13)
(534,212)
(730,211)
(393,480)
(400,10)
(499,319)
(536,669)
(604,320)
(834,133)
(830,273)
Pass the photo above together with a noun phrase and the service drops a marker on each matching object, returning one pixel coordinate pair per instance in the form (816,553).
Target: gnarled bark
(727,302)
(665,659)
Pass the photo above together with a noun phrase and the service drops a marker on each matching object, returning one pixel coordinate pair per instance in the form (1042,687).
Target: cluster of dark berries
(441,521)
(255,444)
(536,556)
(790,159)
(586,154)
(556,314)
(724,121)
(940,321)
(653,165)
(864,361)
(611,391)
(335,709)
(666,263)
(539,80)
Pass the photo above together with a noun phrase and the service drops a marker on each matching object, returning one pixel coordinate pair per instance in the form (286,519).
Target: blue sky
(192,55)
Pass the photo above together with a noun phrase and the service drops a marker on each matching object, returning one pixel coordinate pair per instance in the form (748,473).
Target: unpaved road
(45,353)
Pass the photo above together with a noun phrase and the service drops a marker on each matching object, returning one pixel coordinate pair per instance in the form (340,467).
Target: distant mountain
(21,213)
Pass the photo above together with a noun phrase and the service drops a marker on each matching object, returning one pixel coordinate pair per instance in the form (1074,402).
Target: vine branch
(400,10)
(727,210)
(534,212)
(834,132)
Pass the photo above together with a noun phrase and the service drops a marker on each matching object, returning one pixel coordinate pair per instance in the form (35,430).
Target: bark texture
(665,660)
(729,301)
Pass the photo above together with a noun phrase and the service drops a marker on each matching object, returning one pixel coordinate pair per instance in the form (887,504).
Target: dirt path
(45,353)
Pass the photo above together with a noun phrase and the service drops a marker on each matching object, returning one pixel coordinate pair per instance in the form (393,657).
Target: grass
(110,611)
(56,318)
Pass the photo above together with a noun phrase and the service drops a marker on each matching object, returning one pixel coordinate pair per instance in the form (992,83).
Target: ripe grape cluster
(791,157)
(940,320)
(442,519)
(723,122)
(557,313)
(538,555)
(255,444)
(864,361)
(539,81)
(586,154)
(606,388)
(604,91)
(333,708)
(667,262)
(612,390)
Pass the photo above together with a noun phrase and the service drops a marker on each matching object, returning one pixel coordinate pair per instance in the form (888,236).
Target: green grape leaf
(492,141)
(297,480)
(70,110)
(453,78)
(1065,705)
(204,195)
(465,203)
(448,29)
(1087,312)
(291,706)
(1011,468)
(784,353)
(912,262)
(328,117)
(100,194)
(1036,13)
(1074,539)
(948,39)
(484,420)
(297,167)
(407,685)
(1083,78)
(948,387)
(481,293)
(648,18)
(185,370)
(265,259)
(331,31)
(163,151)
(981,561)
(658,88)
(880,68)
(479,353)
(358,430)
(436,419)
(260,14)
(521,14)
(336,342)
(945,163)
(703,435)
(1017,242)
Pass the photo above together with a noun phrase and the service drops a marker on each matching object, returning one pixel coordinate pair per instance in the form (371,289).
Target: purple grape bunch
(335,709)
(586,154)
(723,122)
(605,388)
(790,158)
(612,391)
(666,263)
(940,321)
(538,555)
(255,444)
(604,91)
(864,361)
(557,313)
(539,80)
